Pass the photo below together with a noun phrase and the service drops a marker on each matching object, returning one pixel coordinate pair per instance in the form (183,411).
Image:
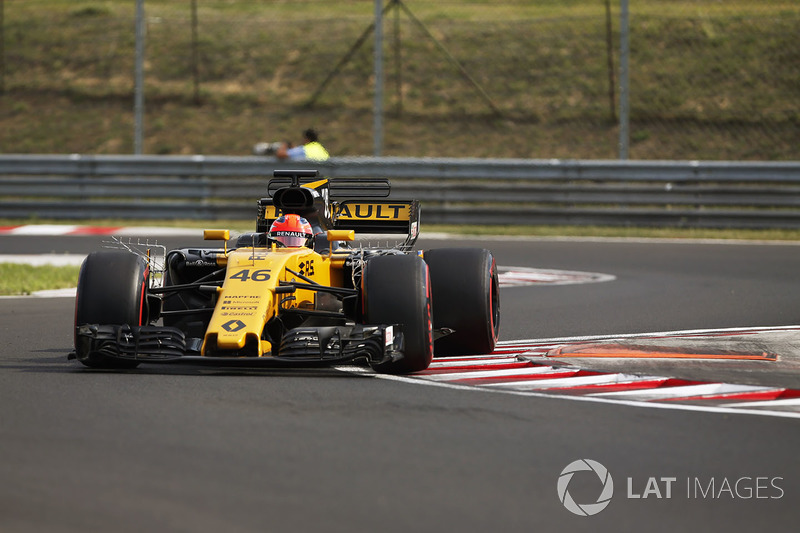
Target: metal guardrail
(452,191)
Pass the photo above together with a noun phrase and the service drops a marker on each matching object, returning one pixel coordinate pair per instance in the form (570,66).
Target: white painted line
(788,402)
(43,229)
(684,391)
(489,357)
(478,362)
(521,276)
(508,372)
(154,231)
(43,259)
(564,383)
(56,293)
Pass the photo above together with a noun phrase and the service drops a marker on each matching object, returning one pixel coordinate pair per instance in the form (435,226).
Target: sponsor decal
(306,268)
(369,211)
(232,326)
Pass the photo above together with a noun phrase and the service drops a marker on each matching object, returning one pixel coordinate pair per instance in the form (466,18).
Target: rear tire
(112,290)
(466,298)
(395,290)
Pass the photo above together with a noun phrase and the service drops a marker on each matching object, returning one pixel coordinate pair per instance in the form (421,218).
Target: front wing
(300,346)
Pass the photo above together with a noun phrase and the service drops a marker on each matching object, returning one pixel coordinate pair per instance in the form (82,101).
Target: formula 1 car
(330,302)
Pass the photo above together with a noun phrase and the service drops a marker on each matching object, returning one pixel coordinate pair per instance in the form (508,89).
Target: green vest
(316,151)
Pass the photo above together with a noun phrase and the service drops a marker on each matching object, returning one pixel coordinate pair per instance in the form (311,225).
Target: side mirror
(216,234)
(341,235)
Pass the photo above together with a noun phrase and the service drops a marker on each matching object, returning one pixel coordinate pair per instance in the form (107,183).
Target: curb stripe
(687,392)
(516,367)
(43,230)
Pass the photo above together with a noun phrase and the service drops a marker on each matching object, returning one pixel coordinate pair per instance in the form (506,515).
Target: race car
(298,291)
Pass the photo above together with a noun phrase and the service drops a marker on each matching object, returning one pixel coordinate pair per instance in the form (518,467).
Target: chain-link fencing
(708,79)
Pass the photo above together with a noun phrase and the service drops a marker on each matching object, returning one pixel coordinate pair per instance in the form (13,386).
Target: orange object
(647,352)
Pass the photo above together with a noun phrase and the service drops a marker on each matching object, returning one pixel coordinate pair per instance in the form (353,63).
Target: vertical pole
(2,50)
(378,104)
(612,97)
(624,86)
(138,97)
(195,54)
(398,68)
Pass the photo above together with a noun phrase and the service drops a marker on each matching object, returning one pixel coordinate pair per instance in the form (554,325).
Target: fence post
(378,105)
(195,54)
(624,93)
(2,49)
(138,98)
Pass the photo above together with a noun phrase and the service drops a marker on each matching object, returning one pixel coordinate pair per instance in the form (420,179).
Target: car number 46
(257,275)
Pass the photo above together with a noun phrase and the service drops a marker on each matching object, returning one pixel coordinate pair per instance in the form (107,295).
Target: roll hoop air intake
(295,199)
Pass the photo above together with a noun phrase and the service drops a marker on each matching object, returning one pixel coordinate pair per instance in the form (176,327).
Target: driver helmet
(292,231)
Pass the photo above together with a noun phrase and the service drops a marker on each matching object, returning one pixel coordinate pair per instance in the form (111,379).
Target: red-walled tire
(466,298)
(112,290)
(395,290)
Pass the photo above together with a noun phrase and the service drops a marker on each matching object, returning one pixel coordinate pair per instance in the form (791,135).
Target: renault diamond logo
(233,325)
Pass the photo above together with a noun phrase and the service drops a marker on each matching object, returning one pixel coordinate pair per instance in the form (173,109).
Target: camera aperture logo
(585,509)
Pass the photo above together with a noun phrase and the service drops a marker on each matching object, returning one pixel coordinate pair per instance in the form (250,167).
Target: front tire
(112,290)
(395,290)
(466,298)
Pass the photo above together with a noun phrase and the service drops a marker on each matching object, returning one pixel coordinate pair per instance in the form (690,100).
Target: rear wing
(357,204)
(377,216)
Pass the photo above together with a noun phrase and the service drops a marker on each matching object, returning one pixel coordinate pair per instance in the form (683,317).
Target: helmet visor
(290,239)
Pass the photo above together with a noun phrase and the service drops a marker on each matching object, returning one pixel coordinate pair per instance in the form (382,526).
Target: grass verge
(26,279)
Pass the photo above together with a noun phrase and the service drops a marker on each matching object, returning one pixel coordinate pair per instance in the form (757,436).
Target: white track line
(684,391)
(568,382)
(505,373)
(42,229)
(788,402)
(479,361)
(43,259)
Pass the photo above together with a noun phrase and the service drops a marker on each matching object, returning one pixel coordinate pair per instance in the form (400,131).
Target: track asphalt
(208,449)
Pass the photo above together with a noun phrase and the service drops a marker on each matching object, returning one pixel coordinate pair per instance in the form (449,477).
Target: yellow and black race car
(277,297)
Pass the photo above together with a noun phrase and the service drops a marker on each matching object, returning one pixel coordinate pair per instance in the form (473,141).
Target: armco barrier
(452,191)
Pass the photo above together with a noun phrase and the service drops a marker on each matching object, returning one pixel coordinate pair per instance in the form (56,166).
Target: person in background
(310,150)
